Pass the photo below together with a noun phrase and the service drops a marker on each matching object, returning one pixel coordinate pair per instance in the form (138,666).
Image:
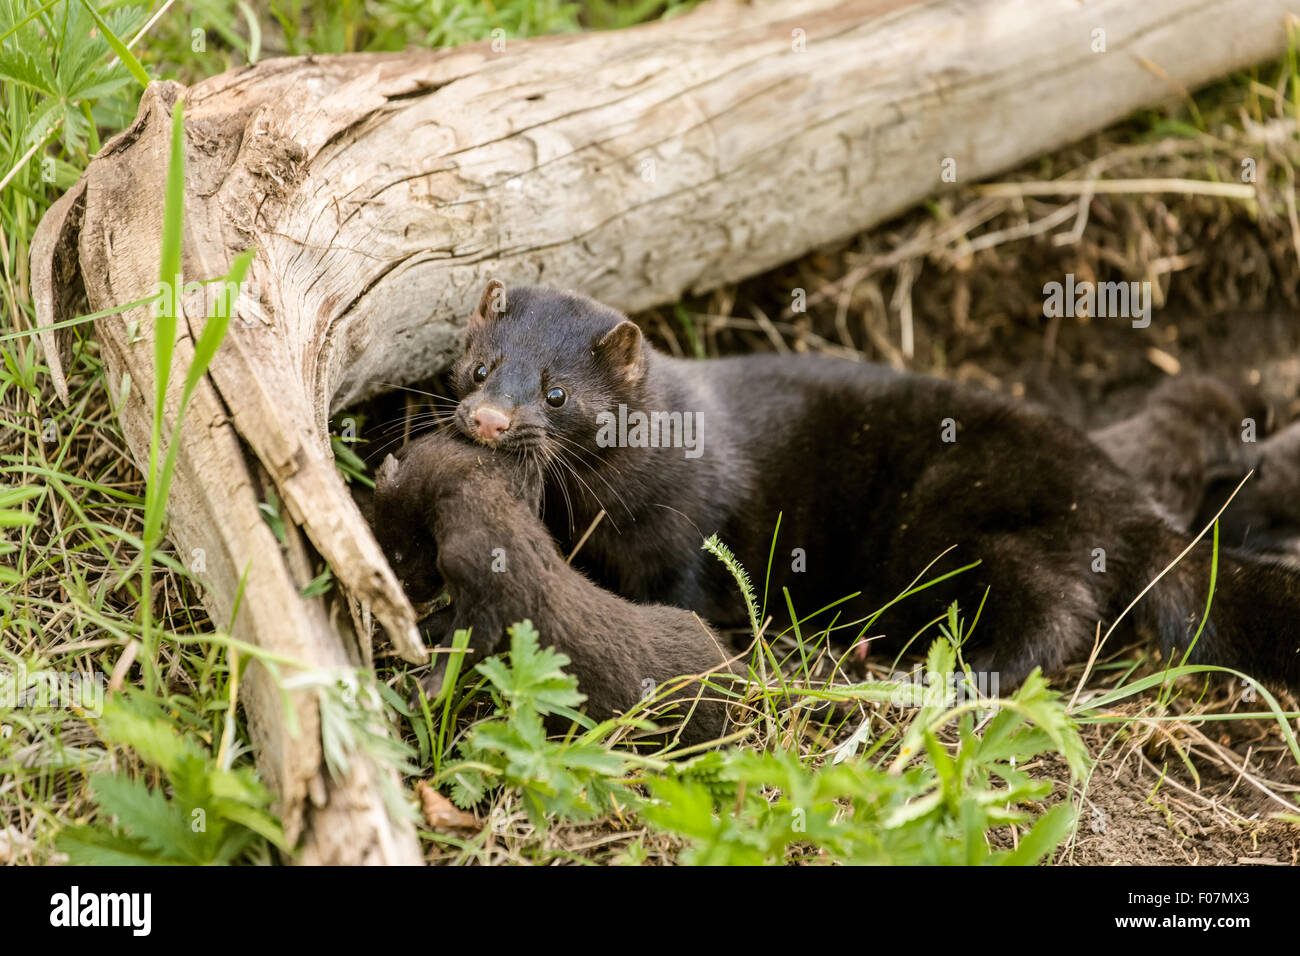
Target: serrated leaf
(87,846)
(535,679)
(152,737)
(20,67)
(118,47)
(146,816)
(467,788)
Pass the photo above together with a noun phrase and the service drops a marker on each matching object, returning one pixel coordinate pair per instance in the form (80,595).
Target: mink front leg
(473,546)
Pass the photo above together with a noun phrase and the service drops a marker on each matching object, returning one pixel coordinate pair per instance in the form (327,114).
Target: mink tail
(1254,616)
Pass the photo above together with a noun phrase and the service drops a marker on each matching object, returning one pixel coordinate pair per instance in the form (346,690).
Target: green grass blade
(169,307)
(26,20)
(771,555)
(210,339)
(1209,599)
(1084,714)
(79,320)
(214,331)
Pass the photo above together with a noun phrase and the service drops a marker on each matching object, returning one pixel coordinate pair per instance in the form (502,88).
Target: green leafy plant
(942,787)
(570,779)
(205,814)
(926,806)
(349,463)
(60,54)
(354,725)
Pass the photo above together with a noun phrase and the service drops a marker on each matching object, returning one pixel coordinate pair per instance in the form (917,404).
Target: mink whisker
(554,472)
(594,469)
(378,449)
(415,391)
(559,456)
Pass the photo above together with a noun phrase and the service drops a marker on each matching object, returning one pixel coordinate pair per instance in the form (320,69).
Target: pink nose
(490,422)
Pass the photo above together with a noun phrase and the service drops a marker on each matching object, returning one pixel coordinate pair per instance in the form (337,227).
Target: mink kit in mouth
(448,514)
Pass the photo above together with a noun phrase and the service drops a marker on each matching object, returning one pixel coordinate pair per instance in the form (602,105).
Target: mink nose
(490,422)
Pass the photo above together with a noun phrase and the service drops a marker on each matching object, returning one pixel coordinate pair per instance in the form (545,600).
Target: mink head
(401,526)
(539,365)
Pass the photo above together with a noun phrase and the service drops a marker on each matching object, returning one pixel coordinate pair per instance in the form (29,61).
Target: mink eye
(480,372)
(555,397)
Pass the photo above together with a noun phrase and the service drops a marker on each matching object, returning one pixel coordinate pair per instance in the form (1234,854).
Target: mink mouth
(512,442)
(521,437)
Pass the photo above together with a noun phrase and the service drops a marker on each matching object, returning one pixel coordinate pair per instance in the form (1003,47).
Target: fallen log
(383,191)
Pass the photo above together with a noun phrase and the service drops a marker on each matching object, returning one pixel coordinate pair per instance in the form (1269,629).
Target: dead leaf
(441,813)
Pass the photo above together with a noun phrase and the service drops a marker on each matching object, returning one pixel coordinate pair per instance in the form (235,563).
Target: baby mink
(1184,440)
(453,512)
(876,476)
(1265,514)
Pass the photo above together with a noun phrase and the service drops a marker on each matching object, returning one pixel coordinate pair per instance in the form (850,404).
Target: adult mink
(875,474)
(450,512)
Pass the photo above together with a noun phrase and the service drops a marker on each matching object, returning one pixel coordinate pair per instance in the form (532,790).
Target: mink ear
(622,348)
(492,303)
(387,472)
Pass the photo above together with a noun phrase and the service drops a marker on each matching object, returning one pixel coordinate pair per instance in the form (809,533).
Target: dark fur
(444,510)
(1265,514)
(1185,439)
(851,455)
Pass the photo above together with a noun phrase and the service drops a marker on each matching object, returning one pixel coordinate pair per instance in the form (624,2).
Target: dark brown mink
(1189,447)
(1265,514)
(452,512)
(877,475)
(1186,438)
